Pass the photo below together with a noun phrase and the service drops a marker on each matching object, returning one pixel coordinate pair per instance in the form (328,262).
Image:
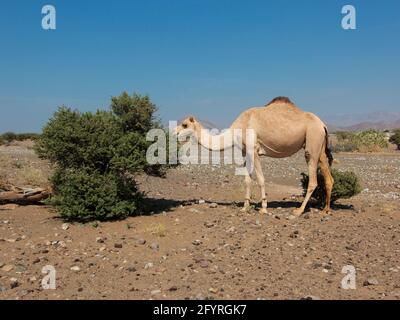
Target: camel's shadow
(153,206)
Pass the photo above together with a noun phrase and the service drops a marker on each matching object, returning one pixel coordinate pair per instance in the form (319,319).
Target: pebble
(65,226)
(173,288)
(118,245)
(311,297)
(371,282)
(140,241)
(155,246)
(202,201)
(196,242)
(213,205)
(131,269)
(154,292)
(7,267)
(76,268)
(149,265)
(100,240)
(14,283)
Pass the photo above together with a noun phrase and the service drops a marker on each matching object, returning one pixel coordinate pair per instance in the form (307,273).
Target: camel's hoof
(325,211)
(264,211)
(297,212)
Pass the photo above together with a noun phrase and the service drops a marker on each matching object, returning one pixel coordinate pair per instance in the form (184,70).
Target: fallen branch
(24,196)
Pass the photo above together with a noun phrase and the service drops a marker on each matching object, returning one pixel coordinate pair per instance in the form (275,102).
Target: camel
(281,129)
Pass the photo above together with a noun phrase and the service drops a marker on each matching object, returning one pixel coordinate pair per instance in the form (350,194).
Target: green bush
(370,141)
(395,138)
(11,136)
(346,185)
(85,195)
(363,141)
(96,155)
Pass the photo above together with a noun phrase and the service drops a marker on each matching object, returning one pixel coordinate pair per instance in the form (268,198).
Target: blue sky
(210,58)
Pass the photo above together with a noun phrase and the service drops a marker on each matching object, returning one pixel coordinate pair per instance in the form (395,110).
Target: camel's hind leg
(328,179)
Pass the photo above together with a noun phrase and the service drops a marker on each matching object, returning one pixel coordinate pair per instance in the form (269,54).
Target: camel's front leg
(261,183)
(312,184)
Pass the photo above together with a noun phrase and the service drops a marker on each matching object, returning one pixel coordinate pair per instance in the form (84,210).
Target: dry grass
(20,166)
(158,230)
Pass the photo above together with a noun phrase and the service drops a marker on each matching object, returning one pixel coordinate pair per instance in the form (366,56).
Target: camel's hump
(281,100)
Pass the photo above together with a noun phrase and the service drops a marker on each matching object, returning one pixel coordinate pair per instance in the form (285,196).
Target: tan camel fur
(281,129)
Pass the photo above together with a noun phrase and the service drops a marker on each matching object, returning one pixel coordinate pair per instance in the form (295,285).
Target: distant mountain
(367,125)
(380,120)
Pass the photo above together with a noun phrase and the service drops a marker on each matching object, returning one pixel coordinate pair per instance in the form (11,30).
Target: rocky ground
(197,244)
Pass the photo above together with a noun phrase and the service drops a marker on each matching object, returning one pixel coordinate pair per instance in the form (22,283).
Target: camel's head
(186,127)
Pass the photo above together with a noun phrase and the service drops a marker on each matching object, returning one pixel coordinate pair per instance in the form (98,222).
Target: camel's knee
(312,186)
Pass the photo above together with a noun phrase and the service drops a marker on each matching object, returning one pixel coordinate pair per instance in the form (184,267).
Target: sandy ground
(212,250)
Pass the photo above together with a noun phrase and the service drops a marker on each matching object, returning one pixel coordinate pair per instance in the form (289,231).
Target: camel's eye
(184,126)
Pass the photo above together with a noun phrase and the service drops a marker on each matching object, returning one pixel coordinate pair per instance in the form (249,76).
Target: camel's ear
(191,119)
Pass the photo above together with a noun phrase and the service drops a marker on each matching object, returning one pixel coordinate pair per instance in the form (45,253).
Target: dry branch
(13,194)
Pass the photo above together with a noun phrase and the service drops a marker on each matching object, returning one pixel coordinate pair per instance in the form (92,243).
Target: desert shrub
(346,186)
(395,138)
(96,156)
(8,137)
(370,141)
(344,146)
(82,194)
(364,141)
(344,135)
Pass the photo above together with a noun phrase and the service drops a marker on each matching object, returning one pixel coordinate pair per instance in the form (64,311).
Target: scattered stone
(7,268)
(213,290)
(65,226)
(131,269)
(208,224)
(149,265)
(213,205)
(14,283)
(204,264)
(32,279)
(118,245)
(155,246)
(196,242)
(371,282)
(310,297)
(20,268)
(76,268)
(141,241)
(100,240)
(154,292)
(173,288)
(201,201)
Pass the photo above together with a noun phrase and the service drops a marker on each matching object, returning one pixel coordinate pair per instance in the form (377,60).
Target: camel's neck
(214,142)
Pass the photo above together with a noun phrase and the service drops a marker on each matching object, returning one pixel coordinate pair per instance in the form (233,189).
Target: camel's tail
(327,149)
